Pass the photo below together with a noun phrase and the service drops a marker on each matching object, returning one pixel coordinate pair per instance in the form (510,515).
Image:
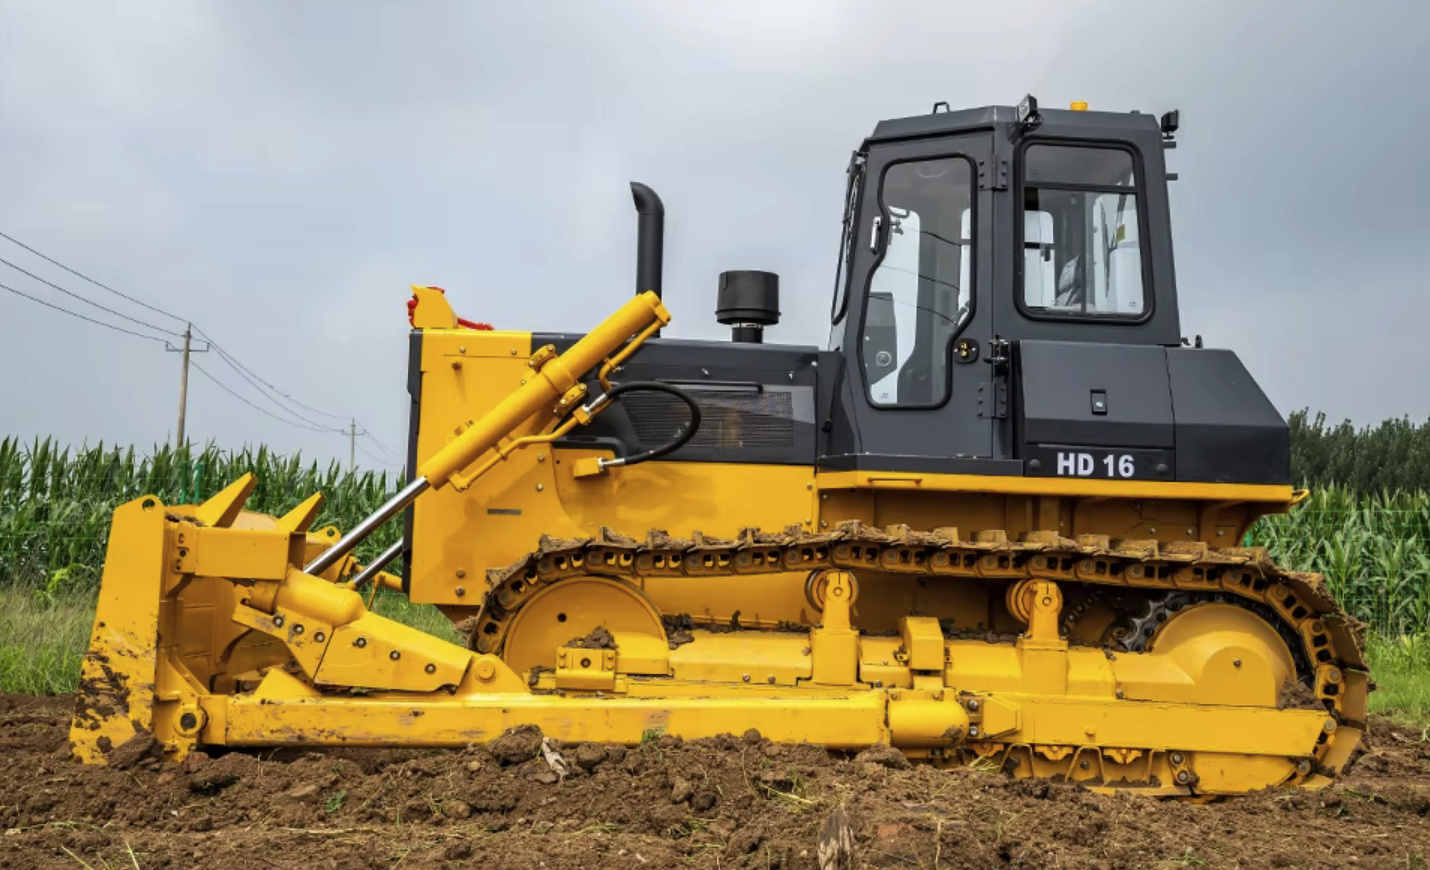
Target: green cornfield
(56,504)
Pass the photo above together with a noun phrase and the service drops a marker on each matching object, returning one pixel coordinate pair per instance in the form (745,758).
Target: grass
(43,636)
(1400,667)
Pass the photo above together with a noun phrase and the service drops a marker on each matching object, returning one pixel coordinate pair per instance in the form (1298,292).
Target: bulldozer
(998,521)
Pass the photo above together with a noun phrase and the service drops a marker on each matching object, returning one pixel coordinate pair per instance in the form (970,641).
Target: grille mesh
(727,420)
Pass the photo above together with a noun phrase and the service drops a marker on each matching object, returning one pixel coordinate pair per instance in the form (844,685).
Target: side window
(1082,253)
(920,295)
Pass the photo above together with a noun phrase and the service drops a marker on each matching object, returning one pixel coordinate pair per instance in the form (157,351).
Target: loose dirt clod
(140,748)
(516,745)
(1296,695)
(599,638)
(884,755)
(720,802)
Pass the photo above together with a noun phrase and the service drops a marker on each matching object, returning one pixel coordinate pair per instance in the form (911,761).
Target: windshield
(1082,253)
(919,296)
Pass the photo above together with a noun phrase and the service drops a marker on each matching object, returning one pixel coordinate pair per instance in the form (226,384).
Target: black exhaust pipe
(650,240)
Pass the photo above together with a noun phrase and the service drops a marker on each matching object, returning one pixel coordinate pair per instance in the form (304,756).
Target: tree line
(1393,456)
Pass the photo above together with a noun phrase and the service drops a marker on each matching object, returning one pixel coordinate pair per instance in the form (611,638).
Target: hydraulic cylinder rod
(548,384)
(377,565)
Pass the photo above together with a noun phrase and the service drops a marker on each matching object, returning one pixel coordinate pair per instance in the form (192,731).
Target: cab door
(917,313)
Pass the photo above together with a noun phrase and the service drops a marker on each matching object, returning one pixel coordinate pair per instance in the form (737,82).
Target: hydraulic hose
(675,443)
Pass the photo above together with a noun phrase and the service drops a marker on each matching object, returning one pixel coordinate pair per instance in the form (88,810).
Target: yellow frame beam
(1078,487)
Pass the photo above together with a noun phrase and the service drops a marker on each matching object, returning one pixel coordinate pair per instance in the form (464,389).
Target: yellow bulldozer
(997,521)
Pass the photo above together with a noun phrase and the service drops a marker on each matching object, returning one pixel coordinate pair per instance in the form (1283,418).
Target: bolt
(809,486)
(462,348)
(1176,758)
(541,457)
(1303,767)
(1119,694)
(1154,531)
(1329,726)
(188,721)
(540,487)
(513,351)
(298,629)
(878,684)
(456,363)
(972,705)
(461,573)
(431,668)
(745,677)
(824,524)
(277,622)
(319,637)
(360,642)
(1220,532)
(394,655)
(1191,531)
(1236,663)
(973,731)
(246,686)
(1183,777)
(1084,765)
(771,680)
(461,590)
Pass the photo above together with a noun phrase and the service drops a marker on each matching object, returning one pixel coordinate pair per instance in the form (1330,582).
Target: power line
(226,389)
(91,280)
(252,377)
(89,301)
(234,361)
(254,384)
(82,317)
(380,461)
(380,445)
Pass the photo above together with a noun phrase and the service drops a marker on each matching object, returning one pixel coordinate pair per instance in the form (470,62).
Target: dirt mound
(725,802)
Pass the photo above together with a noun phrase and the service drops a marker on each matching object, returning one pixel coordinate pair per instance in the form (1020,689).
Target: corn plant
(1373,548)
(56,503)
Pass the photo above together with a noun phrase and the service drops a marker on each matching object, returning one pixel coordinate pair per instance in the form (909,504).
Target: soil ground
(722,803)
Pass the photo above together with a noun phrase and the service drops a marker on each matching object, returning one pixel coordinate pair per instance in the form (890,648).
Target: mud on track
(723,803)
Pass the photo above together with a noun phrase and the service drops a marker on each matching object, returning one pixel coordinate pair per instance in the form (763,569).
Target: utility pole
(184,377)
(352,446)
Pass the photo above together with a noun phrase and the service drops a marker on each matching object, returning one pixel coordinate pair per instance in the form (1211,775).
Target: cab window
(920,296)
(1082,251)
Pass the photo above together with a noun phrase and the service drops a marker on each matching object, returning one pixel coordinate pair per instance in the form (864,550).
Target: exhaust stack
(650,240)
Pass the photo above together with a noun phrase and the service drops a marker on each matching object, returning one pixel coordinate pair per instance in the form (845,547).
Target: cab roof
(1064,121)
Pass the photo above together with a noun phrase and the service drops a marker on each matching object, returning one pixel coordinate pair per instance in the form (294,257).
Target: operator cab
(1006,297)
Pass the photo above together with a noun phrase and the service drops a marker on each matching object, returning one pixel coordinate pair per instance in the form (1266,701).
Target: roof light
(1079,106)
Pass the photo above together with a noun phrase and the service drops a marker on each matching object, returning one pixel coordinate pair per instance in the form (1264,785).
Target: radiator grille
(727,419)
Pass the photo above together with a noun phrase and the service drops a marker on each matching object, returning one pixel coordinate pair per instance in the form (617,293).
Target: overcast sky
(280,172)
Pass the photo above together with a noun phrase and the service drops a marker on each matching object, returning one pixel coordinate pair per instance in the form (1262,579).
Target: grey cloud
(281,172)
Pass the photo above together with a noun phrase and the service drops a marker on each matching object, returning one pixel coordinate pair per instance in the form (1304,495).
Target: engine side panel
(757,402)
